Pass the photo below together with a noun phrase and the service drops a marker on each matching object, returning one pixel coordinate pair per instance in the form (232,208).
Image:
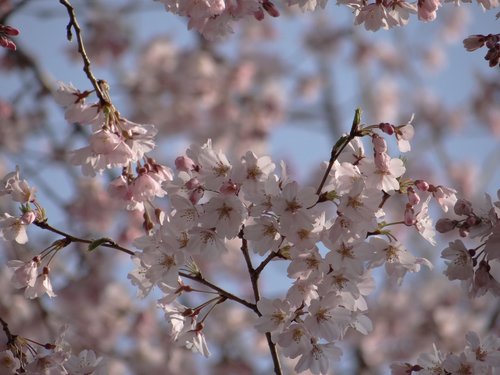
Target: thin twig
(219,290)
(264,263)
(10,337)
(340,146)
(73,24)
(70,238)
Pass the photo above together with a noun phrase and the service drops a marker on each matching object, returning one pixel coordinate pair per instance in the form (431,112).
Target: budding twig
(70,238)
(73,24)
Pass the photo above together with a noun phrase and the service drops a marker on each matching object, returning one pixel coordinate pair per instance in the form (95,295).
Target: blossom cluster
(473,266)
(330,236)
(115,142)
(330,240)
(477,358)
(490,41)
(13,228)
(21,356)
(213,19)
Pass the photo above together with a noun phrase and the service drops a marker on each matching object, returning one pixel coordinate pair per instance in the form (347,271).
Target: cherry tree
(161,211)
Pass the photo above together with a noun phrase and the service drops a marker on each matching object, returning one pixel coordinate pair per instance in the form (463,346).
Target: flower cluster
(21,356)
(329,253)
(477,358)
(213,18)
(473,266)
(13,228)
(492,43)
(115,142)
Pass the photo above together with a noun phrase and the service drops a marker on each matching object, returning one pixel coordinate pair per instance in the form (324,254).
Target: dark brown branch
(264,263)
(73,24)
(254,278)
(107,243)
(219,290)
(10,337)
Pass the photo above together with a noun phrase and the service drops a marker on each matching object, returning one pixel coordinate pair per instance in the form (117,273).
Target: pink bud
(193,183)
(413,198)
(445,225)
(196,195)
(463,207)
(8,30)
(259,14)
(422,185)
(379,144)
(409,216)
(386,128)
(382,161)
(472,220)
(270,8)
(229,187)
(28,217)
(185,164)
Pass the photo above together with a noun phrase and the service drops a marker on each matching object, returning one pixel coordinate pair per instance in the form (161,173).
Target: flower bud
(382,161)
(270,8)
(445,225)
(422,185)
(379,144)
(193,183)
(28,217)
(463,207)
(185,164)
(196,195)
(409,215)
(413,198)
(386,128)
(229,187)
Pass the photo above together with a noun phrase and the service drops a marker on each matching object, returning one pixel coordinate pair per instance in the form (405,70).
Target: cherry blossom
(460,261)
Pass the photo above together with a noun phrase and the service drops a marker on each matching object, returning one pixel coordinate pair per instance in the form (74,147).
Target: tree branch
(221,291)
(340,146)
(254,278)
(73,24)
(70,238)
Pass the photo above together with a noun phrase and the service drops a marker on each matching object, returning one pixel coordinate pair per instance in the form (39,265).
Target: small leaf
(96,243)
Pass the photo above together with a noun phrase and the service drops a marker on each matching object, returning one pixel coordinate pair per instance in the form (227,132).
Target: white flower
(13,229)
(485,355)
(276,314)
(263,235)
(293,340)
(225,213)
(327,319)
(195,340)
(25,273)
(459,265)
(42,286)
(317,358)
(8,363)
(396,258)
(446,197)
(85,363)
(424,223)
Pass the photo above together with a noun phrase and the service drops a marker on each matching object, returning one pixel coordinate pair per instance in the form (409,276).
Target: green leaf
(96,243)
